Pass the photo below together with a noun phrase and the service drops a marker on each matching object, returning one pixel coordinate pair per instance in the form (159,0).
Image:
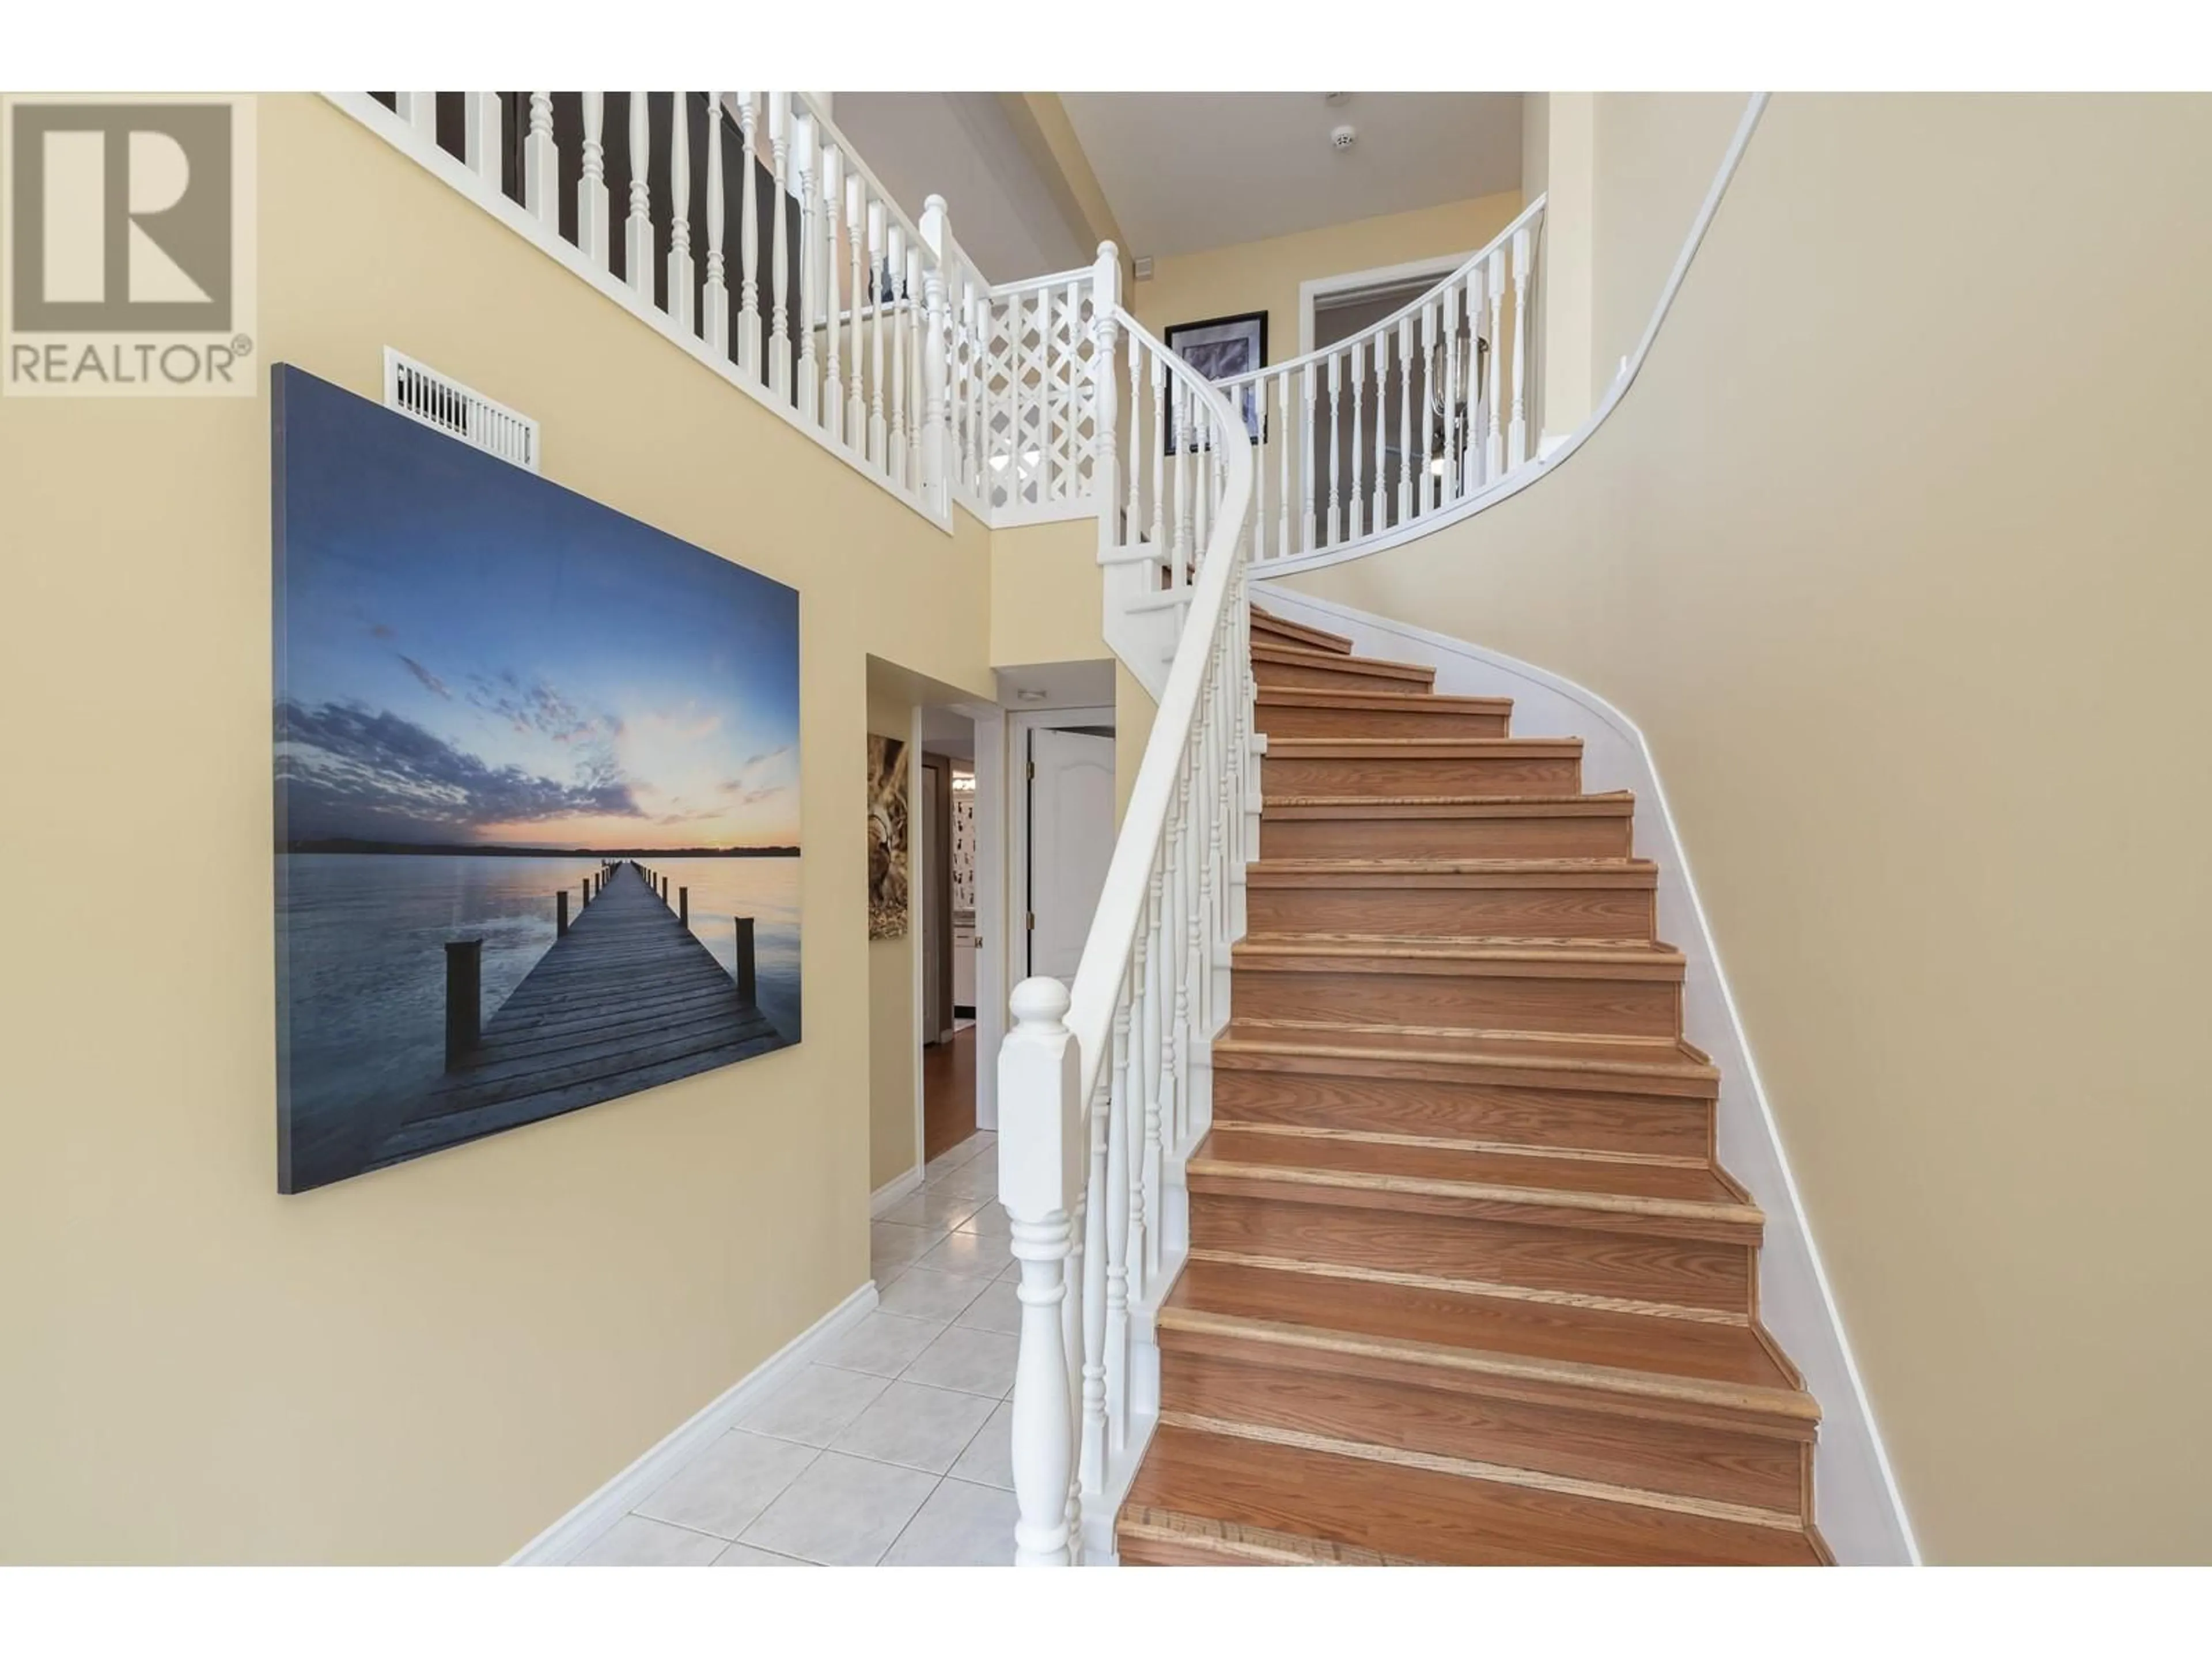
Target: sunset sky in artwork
(470,655)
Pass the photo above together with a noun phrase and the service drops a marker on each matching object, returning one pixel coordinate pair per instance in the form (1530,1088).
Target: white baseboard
(1859,1510)
(897,1188)
(567,1538)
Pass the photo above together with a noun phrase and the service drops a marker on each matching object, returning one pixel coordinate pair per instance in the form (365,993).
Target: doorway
(946,902)
(1336,308)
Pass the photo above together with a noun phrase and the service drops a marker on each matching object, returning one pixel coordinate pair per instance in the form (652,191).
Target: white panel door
(1071,841)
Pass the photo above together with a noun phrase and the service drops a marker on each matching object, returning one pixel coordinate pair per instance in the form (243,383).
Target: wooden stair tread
(1297,656)
(1325,1159)
(1446,1047)
(1317,696)
(1625,1352)
(1626,872)
(1615,804)
(1427,1514)
(1155,1537)
(1319,638)
(1421,748)
(1402,953)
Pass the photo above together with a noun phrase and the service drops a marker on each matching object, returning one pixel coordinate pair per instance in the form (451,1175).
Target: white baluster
(1377,515)
(714,298)
(420,110)
(541,164)
(483,137)
(878,433)
(1092,1475)
(637,246)
(917,391)
(805,147)
(1357,502)
(679,209)
(1037,1153)
(1158,1059)
(1117,1215)
(749,322)
(1424,486)
(1336,447)
(895,458)
(833,383)
(1461,461)
(1306,460)
(1494,453)
(1406,419)
(1517,438)
(591,188)
(1157,453)
(1284,443)
(856,414)
(779,333)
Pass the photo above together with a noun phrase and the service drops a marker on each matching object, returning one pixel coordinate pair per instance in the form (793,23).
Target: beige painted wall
(1925,677)
(1655,157)
(433,1362)
(1047,598)
(1266,275)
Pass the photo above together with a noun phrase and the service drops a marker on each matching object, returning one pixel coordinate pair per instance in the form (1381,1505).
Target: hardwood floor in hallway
(948,1093)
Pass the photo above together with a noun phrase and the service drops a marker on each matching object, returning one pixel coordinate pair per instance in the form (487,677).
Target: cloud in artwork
(348,770)
(429,680)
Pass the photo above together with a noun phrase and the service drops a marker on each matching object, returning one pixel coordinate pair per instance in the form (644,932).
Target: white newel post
(936,366)
(1040,1148)
(1105,462)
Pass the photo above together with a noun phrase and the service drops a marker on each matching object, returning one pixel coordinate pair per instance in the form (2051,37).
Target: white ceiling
(1187,171)
(961,146)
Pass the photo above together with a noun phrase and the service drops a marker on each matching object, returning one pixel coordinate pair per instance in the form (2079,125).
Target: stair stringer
(1862,1515)
(1141,620)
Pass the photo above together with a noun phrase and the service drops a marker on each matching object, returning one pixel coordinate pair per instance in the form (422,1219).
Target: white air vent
(1145,268)
(420,394)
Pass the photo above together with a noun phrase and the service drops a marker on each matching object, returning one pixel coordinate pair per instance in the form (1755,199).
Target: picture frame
(1218,347)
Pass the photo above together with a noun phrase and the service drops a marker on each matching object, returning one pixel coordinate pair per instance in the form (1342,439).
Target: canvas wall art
(536,795)
(887,838)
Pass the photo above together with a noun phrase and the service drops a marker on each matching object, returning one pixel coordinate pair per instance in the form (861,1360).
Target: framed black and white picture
(1219,348)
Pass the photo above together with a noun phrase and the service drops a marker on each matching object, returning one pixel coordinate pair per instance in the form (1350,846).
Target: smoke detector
(1342,138)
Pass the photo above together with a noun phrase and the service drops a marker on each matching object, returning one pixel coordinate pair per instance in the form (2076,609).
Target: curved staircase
(1464,1284)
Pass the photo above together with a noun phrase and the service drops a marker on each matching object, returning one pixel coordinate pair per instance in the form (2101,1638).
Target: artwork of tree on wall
(536,795)
(887,838)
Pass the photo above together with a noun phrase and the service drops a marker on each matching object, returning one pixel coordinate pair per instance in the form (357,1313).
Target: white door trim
(991,986)
(1315,289)
(916,849)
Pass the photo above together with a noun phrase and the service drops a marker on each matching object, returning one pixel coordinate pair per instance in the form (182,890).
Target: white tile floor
(894,1448)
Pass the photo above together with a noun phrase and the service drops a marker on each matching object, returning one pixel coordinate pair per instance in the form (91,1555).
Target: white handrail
(1102,1091)
(1527,219)
(1406,418)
